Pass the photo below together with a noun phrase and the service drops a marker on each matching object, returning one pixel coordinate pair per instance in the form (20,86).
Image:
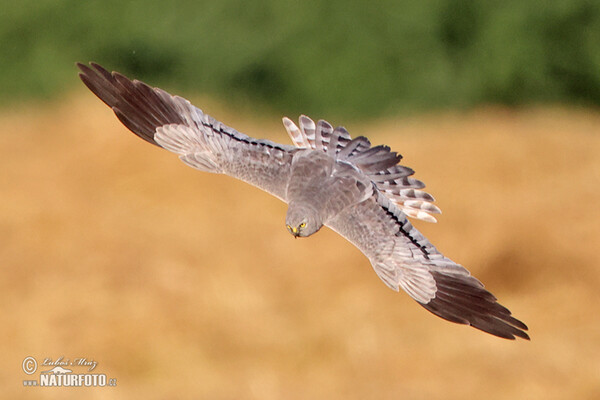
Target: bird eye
(289,227)
(302,225)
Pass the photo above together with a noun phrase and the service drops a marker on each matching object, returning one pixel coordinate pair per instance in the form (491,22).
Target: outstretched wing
(403,258)
(175,124)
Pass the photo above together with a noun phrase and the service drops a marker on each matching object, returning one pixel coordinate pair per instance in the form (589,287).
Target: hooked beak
(294,231)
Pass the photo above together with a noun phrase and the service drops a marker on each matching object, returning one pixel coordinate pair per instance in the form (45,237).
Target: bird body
(327,178)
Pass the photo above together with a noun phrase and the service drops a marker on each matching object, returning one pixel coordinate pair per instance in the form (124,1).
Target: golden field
(182,284)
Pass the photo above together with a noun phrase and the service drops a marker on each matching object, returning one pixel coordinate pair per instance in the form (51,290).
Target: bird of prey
(326,178)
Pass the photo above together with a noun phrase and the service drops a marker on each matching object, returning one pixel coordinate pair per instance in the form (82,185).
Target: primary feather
(327,178)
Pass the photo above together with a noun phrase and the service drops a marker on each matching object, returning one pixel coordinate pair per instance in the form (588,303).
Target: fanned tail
(378,163)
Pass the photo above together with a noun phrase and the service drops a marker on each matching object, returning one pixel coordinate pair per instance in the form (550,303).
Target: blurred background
(181,284)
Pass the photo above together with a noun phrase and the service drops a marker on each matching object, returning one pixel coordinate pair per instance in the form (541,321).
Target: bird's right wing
(201,142)
(403,258)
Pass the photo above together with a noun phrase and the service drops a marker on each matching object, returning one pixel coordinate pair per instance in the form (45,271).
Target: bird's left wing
(403,257)
(202,142)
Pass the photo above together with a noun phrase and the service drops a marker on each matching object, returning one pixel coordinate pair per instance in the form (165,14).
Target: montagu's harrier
(358,190)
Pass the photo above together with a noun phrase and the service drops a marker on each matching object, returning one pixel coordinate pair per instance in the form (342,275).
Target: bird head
(302,221)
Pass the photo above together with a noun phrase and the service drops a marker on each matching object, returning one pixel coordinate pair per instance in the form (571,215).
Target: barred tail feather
(296,135)
(378,163)
(323,135)
(308,128)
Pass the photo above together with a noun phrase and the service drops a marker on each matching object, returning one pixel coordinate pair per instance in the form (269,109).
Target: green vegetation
(328,58)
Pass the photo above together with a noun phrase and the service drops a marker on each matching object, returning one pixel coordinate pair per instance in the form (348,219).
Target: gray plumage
(327,178)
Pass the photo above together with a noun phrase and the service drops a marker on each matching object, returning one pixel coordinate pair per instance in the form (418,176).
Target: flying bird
(327,178)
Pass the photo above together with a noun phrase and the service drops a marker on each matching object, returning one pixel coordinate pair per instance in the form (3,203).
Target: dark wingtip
(136,105)
(524,335)
(84,68)
(463,300)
